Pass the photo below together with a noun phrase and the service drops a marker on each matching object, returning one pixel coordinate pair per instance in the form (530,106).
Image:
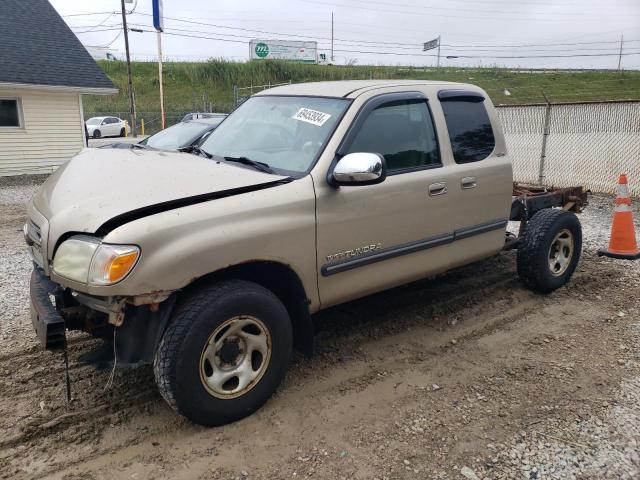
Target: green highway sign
(295,51)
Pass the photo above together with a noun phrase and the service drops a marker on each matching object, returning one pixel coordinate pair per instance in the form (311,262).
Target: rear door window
(403,133)
(469,127)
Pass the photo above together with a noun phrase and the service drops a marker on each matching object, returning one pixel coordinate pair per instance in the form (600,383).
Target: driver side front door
(374,237)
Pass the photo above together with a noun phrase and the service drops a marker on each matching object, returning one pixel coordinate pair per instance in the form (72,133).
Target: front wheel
(97,134)
(225,352)
(122,132)
(549,250)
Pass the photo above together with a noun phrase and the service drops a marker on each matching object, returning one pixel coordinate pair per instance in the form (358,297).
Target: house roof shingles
(37,47)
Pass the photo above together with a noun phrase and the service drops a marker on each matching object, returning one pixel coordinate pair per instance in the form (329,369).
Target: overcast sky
(393,31)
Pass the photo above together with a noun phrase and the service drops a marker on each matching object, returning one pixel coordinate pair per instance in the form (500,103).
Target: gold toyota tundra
(211,263)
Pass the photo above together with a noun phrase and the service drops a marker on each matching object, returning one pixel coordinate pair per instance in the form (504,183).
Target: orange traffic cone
(622,243)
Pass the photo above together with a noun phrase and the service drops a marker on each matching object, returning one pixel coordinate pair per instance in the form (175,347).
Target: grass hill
(188,86)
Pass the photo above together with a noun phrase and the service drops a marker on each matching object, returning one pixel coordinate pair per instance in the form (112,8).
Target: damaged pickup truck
(210,264)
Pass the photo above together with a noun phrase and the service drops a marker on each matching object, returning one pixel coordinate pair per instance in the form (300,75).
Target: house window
(10,113)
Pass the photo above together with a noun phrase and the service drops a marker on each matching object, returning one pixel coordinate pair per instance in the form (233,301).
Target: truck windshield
(286,133)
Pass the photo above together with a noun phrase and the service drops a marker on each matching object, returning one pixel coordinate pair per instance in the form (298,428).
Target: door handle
(439,188)
(468,182)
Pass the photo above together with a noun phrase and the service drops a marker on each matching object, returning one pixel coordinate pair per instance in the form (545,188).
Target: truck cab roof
(353,88)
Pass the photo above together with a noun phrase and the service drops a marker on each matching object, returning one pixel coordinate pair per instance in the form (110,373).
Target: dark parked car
(180,136)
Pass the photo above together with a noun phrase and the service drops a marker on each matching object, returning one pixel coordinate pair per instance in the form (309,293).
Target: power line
(430,8)
(407,12)
(99,24)
(521,2)
(602,49)
(373,43)
(416,48)
(548,56)
(111,29)
(244,42)
(542,44)
(306,37)
(421,55)
(194,22)
(108,44)
(86,14)
(81,27)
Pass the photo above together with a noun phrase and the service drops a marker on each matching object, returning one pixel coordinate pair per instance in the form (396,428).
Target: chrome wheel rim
(235,357)
(561,252)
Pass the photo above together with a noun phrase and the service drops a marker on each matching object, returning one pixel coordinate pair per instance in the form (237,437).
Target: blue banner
(158,23)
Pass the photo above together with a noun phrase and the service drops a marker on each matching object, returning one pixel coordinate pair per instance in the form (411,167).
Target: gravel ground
(468,375)
(15,266)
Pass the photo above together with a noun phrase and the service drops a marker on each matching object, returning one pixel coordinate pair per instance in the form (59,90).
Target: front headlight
(87,260)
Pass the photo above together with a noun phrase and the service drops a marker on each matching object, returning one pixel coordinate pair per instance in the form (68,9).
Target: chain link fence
(523,127)
(240,94)
(587,144)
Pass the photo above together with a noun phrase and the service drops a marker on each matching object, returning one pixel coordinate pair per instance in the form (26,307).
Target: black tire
(97,134)
(178,361)
(122,132)
(535,253)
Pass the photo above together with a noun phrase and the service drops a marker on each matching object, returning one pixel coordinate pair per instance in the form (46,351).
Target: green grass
(186,83)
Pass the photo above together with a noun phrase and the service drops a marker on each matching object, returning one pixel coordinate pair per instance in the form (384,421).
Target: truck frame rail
(529,199)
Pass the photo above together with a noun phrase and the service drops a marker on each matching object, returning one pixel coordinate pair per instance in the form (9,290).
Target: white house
(44,71)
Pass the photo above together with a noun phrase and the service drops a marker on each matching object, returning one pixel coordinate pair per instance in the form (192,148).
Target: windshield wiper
(196,151)
(261,166)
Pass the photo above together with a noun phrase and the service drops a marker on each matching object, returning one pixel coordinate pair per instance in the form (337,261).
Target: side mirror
(359,169)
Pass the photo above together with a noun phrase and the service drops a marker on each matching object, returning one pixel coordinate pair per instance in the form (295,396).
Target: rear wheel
(549,250)
(97,134)
(225,353)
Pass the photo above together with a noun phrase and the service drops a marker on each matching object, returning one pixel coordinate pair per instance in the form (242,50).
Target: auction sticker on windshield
(312,116)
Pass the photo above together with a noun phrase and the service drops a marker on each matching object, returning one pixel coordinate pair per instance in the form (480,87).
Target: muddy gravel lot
(468,375)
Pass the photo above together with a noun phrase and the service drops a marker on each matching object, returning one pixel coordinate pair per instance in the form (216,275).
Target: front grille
(33,232)
(33,237)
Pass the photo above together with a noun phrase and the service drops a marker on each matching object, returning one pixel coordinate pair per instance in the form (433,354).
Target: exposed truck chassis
(530,199)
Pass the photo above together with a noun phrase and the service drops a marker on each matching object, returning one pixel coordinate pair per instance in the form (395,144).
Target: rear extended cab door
(481,194)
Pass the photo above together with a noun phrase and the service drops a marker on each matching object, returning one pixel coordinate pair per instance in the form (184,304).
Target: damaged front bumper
(46,319)
(140,321)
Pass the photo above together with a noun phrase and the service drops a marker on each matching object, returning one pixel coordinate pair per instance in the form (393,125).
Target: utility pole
(332,61)
(159,34)
(620,54)
(132,104)
(438,65)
